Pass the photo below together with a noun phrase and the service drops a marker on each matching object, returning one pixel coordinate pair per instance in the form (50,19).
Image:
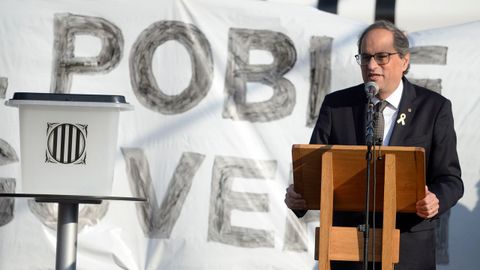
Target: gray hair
(400,40)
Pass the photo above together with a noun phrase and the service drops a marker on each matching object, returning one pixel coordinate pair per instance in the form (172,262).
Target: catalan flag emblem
(66,143)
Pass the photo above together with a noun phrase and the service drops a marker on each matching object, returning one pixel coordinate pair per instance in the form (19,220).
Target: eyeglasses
(382,58)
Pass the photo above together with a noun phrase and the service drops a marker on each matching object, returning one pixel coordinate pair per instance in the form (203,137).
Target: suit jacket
(428,124)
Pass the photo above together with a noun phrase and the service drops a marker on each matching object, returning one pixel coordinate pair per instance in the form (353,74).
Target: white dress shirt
(390,112)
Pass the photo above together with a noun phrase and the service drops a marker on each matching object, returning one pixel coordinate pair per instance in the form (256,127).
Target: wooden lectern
(332,178)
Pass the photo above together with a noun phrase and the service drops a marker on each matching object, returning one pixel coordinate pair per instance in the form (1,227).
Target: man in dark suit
(413,116)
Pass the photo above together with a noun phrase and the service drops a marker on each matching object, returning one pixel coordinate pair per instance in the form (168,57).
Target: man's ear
(406,61)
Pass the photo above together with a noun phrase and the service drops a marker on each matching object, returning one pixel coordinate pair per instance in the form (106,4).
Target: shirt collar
(394,99)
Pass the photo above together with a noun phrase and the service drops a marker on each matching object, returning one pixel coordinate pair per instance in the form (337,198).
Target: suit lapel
(406,113)
(359,115)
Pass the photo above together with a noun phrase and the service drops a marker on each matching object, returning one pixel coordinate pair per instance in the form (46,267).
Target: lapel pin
(409,109)
(402,118)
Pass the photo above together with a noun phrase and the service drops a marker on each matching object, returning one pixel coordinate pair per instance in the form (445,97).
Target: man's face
(386,76)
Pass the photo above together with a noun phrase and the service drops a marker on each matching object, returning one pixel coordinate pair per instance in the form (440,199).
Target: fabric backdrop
(221,90)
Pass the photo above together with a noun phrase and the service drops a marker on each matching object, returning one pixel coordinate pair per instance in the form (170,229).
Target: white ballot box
(68,142)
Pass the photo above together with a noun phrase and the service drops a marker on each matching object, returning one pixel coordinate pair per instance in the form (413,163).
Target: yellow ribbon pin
(402,119)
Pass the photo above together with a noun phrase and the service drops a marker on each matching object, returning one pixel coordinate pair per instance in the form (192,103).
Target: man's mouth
(373,76)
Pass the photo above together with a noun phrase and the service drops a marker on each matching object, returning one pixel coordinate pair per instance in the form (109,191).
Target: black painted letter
(223,200)
(239,72)
(429,55)
(143,81)
(67,28)
(320,75)
(158,221)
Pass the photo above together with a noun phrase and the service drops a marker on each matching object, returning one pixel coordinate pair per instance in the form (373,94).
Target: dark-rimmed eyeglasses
(382,58)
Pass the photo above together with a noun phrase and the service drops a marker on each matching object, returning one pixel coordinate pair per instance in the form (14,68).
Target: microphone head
(371,88)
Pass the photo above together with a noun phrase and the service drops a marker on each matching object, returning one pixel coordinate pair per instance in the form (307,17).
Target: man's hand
(294,200)
(428,206)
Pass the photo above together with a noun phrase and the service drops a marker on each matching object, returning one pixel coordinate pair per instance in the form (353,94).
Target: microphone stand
(370,141)
(374,226)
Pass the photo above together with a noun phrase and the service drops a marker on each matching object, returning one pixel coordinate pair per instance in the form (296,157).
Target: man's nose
(372,64)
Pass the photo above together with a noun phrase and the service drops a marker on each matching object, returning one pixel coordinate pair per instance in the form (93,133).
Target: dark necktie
(379,121)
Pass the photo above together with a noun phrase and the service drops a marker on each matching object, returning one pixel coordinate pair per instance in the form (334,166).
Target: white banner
(221,90)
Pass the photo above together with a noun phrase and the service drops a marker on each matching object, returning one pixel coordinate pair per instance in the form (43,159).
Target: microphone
(371,88)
